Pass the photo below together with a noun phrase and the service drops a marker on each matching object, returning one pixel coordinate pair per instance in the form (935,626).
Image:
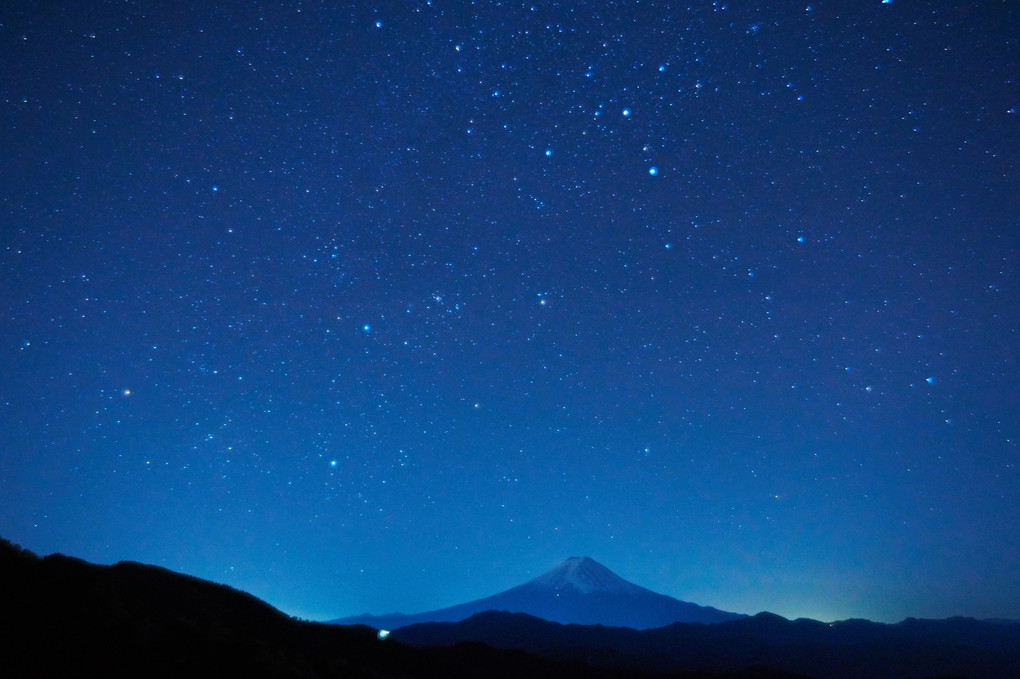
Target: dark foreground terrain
(70,618)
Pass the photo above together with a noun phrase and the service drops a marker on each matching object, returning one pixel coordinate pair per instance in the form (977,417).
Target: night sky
(389,306)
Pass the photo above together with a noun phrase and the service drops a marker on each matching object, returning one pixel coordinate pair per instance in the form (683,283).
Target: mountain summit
(579,590)
(584,575)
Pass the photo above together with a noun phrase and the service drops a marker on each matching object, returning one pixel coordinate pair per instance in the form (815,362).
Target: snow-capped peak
(585,575)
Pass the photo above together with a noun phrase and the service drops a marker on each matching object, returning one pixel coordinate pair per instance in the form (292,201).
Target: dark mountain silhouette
(580,590)
(854,648)
(66,617)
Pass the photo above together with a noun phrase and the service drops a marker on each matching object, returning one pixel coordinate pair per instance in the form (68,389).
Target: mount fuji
(580,590)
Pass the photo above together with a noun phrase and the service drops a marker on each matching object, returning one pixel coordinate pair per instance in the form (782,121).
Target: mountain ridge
(579,590)
(67,617)
(957,647)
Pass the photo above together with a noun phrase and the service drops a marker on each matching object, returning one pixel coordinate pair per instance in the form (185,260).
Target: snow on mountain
(585,575)
(580,590)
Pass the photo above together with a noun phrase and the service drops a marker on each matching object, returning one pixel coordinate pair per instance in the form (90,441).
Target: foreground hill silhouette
(579,590)
(67,617)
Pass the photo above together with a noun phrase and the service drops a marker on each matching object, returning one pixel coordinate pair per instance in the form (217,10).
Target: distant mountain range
(954,647)
(66,617)
(580,590)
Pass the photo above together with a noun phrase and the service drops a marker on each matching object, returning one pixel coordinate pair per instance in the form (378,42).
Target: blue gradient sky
(378,307)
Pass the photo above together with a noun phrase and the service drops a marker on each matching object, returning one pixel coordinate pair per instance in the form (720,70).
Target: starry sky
(388,306)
